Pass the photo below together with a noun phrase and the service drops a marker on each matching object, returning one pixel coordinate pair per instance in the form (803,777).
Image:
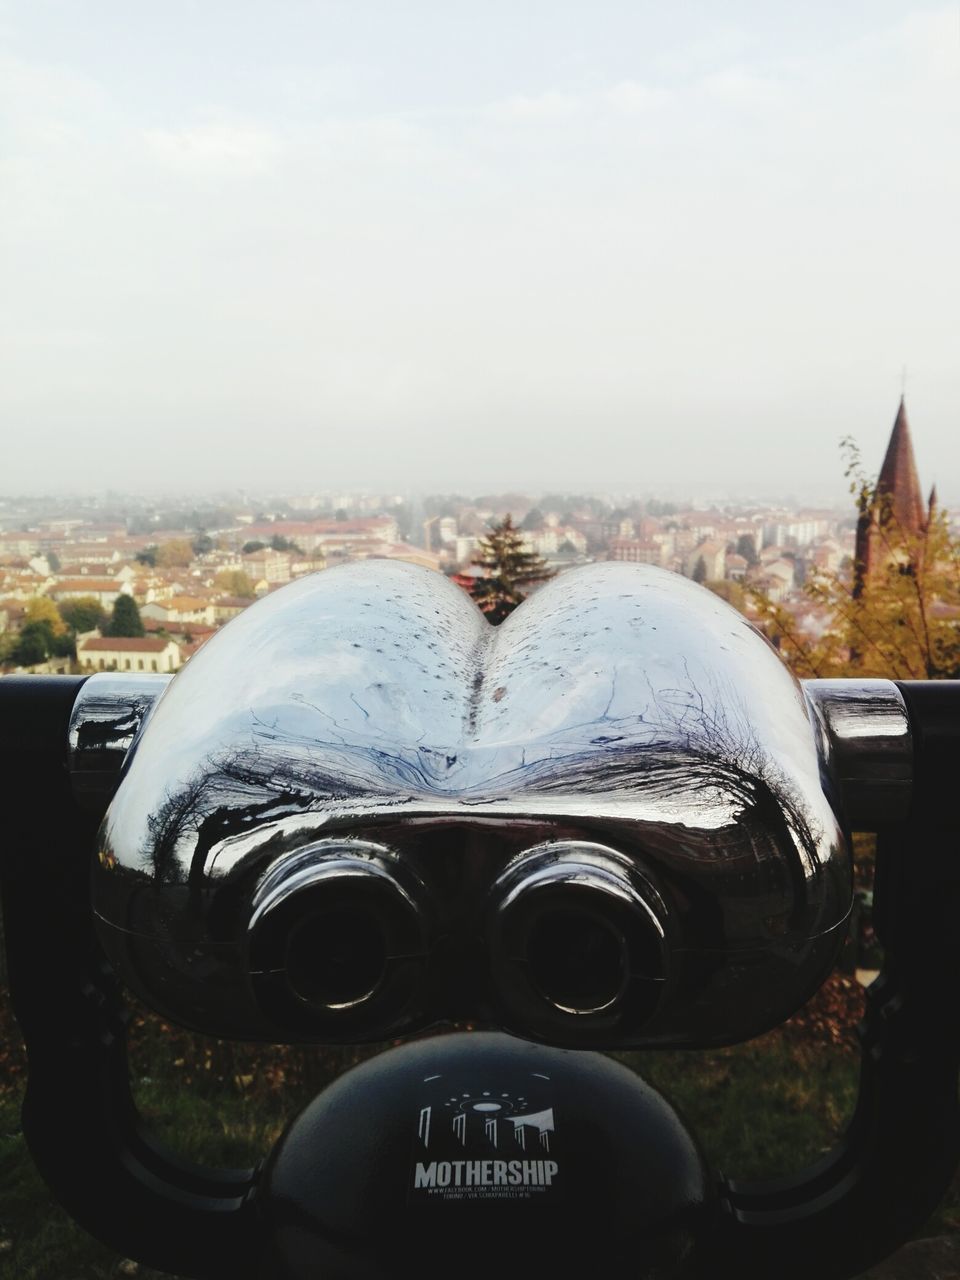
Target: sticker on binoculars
(485,1144)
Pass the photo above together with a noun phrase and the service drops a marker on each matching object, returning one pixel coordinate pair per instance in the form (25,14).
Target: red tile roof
(93,585)
(124,644)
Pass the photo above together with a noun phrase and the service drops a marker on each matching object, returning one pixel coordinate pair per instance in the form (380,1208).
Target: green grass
(759,1109)
(41,1242)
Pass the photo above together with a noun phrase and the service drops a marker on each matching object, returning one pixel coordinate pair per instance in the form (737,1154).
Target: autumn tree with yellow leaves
(900,620)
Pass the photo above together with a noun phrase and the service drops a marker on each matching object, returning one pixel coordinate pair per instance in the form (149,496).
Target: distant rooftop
(124,644)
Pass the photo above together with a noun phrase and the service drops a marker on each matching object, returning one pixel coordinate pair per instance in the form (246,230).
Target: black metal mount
(900,1152)
(588,1165)
(79,1118)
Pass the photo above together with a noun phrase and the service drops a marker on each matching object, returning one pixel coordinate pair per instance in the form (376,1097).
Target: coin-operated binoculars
(614,821)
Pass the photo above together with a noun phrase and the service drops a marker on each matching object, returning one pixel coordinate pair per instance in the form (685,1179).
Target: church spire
(898,486)
(896,500)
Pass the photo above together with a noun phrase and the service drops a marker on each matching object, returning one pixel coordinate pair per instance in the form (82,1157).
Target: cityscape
(628,331)
(120,583)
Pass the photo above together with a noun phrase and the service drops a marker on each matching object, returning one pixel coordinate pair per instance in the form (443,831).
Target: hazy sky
(504,243)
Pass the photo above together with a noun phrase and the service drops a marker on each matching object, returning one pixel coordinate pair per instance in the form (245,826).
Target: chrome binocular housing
(614,820)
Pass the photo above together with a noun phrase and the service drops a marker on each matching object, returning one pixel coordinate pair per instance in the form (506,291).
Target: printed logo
(486,1144)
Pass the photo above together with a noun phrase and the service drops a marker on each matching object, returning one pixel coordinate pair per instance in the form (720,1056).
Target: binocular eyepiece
(577,939)
(614,820)
(337,938)
(344,940)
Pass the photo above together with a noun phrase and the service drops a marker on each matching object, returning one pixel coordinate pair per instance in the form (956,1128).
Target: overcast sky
(495,244)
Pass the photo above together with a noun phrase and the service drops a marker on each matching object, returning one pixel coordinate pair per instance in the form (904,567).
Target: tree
(37,641)
(83,613)
(125,619)
(730,591)
(53,560)
(532,520)
(32,645)
(64,646)
(700,570)
(175,554)
(201,544)
(509,571)
(250,547)
(234,582)
(747,547)
(902,622)
(147,556)
(279,543)
(42,609)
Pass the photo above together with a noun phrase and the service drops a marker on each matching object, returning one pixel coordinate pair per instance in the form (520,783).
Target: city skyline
(829,491)
(137,587)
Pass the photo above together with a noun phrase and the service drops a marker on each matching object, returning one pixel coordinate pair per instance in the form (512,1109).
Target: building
(713,553)
(128,653)
(636,551)
(776,580)
(271,567)
(447,530)
(313,534)
(893,519)
(103,590)
(465,548)
(181,609)
(227,607)
(540,542)
(827,557)
(736,567)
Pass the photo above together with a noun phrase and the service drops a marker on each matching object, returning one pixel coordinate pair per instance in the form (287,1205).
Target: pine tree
(125,619)
(510,570)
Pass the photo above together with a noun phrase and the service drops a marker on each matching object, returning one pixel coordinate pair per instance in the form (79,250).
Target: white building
(465,549)
(713,553)
(128,653)
(103,590)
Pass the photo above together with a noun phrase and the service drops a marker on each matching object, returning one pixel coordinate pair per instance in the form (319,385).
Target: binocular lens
(336,941)
(577,960)
(336,959)
(577,943)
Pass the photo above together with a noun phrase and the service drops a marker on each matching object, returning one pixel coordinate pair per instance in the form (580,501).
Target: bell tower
(896,503)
